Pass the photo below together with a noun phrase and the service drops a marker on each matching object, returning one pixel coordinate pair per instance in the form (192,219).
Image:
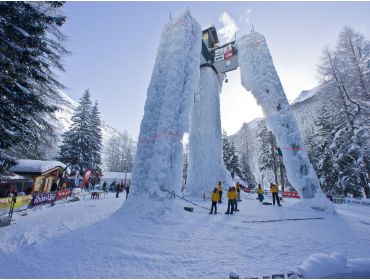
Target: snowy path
(105,243)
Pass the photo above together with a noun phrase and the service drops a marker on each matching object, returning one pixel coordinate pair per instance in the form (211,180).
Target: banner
(21,203)
(63,194)
(86,178)
(43,198)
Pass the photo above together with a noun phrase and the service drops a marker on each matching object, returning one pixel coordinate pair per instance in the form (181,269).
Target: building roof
(35,166)
(115,175)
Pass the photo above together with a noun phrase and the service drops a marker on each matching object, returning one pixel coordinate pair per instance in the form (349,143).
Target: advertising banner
(43,198)
(63,194)
(5,205)
(21,203)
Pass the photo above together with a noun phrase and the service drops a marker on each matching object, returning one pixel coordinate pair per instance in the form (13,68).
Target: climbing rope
(174,194)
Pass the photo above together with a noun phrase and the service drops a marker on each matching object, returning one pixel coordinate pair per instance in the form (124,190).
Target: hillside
(305,107)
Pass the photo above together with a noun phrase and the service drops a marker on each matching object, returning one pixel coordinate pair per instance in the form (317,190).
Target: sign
(63,194)
(43,198)
(228,55)
(219,55)
(22,203)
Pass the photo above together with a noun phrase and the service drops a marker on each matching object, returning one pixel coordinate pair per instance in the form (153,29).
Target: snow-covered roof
(12,176)
(36,166)
(115,175)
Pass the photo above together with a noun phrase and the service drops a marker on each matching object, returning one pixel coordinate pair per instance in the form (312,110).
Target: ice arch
(259,76)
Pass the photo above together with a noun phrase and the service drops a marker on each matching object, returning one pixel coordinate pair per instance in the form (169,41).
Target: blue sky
(114,45)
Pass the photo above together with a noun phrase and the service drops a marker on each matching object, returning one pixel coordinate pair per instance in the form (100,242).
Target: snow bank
(36,166)
(336,265)
(206,164)
(158,161)
(259,76)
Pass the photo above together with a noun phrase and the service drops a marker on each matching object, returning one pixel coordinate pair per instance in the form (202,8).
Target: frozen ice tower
(206,164)
(259,76)
(158,161)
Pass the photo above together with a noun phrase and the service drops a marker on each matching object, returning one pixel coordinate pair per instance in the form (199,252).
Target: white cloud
(245,18)
(229,28)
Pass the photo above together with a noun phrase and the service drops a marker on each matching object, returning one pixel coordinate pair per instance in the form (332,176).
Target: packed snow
(101,239)
(158,161)
(206,163)
(259,76)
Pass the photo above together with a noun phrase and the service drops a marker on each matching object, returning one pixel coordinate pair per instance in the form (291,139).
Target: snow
(306,94)
(158,161)
(102,239)
(35,166)
(335,265)
(206,164)
(259,76)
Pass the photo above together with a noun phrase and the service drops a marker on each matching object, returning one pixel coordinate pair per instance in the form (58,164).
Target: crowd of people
(233,197)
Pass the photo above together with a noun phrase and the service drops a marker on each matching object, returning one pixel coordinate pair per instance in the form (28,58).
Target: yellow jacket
(219,188)
(215,196)
(231,195)
(237,187)
(259,190)
(274,189)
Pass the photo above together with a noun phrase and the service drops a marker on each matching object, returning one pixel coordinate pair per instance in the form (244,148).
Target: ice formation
(158,161)
(206,164)
(259,76)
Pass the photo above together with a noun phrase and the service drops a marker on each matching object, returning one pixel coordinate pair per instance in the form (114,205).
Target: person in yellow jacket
(219,189)
(275,194)
(260,193)
(215,197)
(238,191)
(231,196)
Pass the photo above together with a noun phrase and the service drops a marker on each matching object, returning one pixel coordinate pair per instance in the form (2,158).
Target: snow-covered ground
(99,239)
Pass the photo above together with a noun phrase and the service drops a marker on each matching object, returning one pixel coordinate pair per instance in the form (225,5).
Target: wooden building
(43,172)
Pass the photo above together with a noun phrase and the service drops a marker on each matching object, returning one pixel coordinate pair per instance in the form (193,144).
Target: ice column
(259,76)
(206,165)
(158,161)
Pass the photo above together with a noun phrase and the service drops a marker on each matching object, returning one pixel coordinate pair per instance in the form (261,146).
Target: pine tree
(268,159)
(231,158)
(96,137)
(120,150)
(246,173)
(31,45)
(80,145)
(345,75)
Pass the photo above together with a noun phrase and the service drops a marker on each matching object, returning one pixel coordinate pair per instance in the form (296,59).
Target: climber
(275,194)
(219,189)
(260,193)
(215,197)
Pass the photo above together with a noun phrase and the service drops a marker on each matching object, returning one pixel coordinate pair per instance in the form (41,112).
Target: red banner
(291,194)
(63,194)
(86,177)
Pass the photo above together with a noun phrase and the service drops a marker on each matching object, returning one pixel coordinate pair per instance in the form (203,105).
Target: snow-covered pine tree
(345,75)
(246,172)
(31,45)
(96,138)
(268,160)
(321,152)
(231,158)
(77,148)
(185,164)
(120,150)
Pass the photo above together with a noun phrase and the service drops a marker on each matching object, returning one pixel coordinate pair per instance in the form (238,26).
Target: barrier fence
(291,194)
(28,201)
